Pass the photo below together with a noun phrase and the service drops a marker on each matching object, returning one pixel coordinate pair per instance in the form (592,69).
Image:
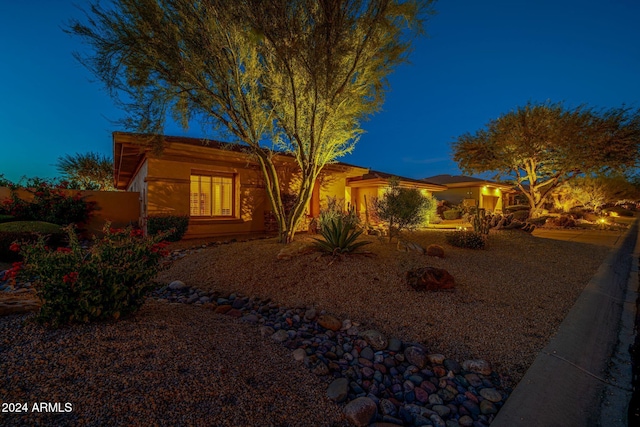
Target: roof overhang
(359,182)
(503,187)
(127,156)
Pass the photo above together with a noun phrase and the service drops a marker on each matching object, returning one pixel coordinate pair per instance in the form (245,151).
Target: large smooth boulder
(361,411)
(295,249)
(430,279)
(435,250)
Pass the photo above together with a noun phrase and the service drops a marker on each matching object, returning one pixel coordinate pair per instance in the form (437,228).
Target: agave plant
(339,237)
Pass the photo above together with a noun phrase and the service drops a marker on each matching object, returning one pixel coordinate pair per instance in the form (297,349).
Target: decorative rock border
(378,379)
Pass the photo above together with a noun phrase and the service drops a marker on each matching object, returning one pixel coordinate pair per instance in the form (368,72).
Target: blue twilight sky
(481,59)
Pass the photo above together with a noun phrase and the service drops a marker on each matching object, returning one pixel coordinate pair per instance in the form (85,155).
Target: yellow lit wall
(166,180)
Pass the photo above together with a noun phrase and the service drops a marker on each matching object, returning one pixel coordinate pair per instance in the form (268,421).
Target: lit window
(211,195)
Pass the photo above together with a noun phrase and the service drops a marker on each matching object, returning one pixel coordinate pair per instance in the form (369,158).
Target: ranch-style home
(470,191)
(220,187)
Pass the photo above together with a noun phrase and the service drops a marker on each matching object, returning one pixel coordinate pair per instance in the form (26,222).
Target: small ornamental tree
(401,208)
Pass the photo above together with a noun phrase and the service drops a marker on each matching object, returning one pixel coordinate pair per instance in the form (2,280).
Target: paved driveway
(595,237)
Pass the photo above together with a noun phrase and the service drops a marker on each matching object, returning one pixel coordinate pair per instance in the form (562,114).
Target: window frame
(212,175)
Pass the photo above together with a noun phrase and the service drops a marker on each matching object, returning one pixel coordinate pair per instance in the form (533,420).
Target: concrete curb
(567,381)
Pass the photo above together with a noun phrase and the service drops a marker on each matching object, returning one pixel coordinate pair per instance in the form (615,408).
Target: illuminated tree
(295,76)
(90,171)
(542,146)
(594,191)
(402,208)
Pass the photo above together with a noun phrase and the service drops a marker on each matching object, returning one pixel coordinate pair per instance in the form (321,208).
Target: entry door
(489,203)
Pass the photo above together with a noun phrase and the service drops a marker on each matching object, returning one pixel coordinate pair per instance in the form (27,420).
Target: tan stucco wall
(333,184)
(358,198)
(168,185)
(139,184)
(119,207)
(457,195)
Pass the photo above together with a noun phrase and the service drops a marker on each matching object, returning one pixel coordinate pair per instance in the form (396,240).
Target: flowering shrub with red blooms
(107,281)
(49,204)
(12,273)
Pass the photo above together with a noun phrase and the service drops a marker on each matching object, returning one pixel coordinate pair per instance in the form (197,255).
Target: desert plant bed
(509,298)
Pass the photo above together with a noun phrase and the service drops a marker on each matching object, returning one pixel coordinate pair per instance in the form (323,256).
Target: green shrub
(466,239)
(28,231)
(521,214)
(174,225)
(591,216)
(50,204)
(539,221)
(452,214)
(339,238)
(7,218)
(619,210)
(30,227)
(564,221)
(430,211)
(105,282)
(401,208)
(514,208)
(334,211)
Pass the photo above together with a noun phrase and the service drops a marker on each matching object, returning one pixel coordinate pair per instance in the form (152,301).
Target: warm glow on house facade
(220,187)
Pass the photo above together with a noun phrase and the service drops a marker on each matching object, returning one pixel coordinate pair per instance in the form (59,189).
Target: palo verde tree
(88,171)
(293,76)
(541,146)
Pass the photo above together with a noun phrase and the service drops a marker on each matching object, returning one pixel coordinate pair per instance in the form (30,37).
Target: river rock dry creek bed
(177,363)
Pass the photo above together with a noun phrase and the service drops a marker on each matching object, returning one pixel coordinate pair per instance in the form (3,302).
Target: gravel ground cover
(509,299)
(169,365)
(175,364)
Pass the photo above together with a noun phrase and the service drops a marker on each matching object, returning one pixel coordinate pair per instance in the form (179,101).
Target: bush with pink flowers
(106,281)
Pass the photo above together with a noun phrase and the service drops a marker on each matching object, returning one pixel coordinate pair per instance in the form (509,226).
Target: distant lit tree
(595,191)
(89,171)
(541,146)
(283,75)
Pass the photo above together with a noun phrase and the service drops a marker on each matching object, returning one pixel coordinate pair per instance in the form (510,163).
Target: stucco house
(220,187)
(470,191)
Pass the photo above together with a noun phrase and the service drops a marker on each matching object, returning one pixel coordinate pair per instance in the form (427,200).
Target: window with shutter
(211,195)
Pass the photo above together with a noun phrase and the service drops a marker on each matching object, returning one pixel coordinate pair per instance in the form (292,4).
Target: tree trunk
(536,203)
(294,217)
(272,186)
